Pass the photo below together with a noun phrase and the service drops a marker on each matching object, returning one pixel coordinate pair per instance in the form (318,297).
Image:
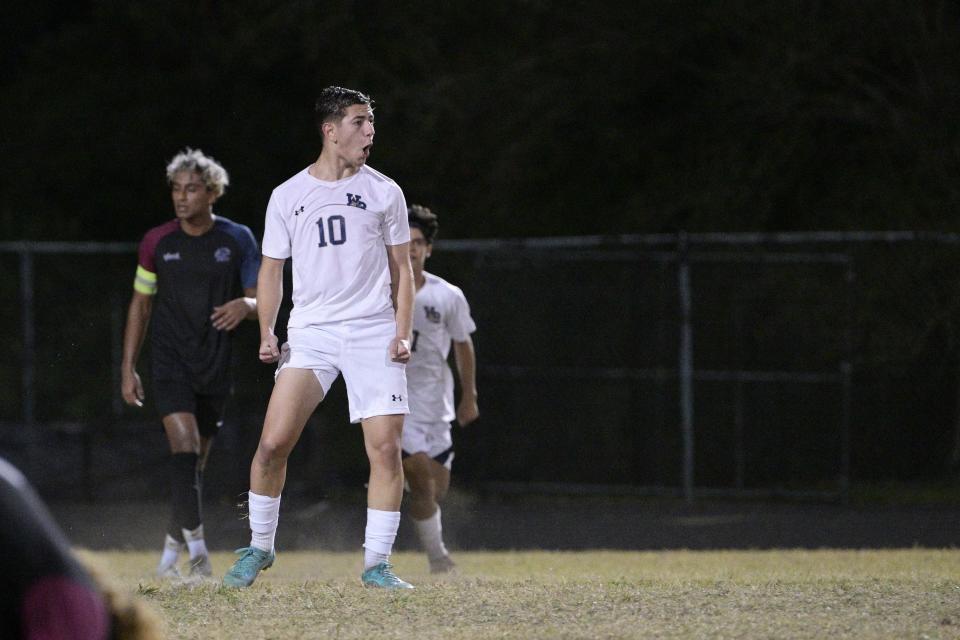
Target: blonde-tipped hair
(211,172)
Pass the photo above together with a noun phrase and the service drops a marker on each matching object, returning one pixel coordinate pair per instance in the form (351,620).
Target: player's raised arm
(269,296)
(402,290)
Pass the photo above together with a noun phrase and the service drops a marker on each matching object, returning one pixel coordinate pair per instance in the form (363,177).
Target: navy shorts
(178,396)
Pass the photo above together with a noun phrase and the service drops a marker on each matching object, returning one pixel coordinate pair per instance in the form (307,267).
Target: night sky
(513,119)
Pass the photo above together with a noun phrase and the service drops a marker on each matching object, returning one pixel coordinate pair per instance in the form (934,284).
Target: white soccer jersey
(336,233)
(440,314)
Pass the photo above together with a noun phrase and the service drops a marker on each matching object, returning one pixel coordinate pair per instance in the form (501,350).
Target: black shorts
(178,396)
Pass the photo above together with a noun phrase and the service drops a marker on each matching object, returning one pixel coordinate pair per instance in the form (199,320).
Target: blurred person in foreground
(48,594)
(441,316)
(344,225)
(196,276)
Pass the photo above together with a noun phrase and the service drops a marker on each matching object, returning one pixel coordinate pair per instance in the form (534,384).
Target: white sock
(264,517)
(379,536)
(431,535)
(195,542)
(171,552)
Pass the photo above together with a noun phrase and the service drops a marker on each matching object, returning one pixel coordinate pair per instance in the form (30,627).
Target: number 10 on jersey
(335,231)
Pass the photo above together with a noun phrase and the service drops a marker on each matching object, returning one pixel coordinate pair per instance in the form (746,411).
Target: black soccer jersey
(190,275)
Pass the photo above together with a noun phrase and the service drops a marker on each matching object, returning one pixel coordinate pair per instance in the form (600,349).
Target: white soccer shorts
(376,386)
(429,438)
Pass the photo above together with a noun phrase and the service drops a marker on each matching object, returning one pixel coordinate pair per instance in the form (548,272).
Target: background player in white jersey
(440,315)
(345,227)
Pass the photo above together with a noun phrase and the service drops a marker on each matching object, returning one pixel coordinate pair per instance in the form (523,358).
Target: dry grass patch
(676,594)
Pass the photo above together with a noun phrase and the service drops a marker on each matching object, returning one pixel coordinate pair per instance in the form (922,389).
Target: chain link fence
(680,364)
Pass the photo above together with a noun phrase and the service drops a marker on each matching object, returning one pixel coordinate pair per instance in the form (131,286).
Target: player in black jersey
(196,278)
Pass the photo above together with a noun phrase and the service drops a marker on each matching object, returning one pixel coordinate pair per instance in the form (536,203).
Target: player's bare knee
(271,452)
(184,447)
(386,452)
(183,441)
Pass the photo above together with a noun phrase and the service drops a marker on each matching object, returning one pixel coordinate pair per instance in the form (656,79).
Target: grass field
(913,593)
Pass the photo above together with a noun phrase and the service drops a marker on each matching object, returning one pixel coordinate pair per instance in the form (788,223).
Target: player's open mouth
(366,150)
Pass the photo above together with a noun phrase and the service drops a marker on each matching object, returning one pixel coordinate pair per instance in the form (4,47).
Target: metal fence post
(686,364)
(846,373)
(29,355)
(739,455)
(116,353)
(28,359)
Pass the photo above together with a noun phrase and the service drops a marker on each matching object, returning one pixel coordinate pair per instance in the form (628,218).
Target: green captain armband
(145,282)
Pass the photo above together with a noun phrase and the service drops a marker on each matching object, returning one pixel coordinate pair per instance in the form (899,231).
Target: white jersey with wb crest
(336,233)
(440,314)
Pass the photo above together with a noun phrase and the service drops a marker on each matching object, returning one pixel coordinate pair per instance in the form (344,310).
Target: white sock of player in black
(195,542)
(171,553)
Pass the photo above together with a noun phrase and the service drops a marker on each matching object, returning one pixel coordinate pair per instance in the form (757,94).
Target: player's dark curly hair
(422,218)
(333,102)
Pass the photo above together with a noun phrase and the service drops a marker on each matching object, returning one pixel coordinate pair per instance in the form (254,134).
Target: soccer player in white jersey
(345,227)
(441,315)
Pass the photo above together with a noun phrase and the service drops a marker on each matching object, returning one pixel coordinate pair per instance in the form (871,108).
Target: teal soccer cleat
(251,562)
(381,577)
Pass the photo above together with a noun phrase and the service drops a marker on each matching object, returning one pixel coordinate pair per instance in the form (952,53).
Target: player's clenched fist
(400,350)
(269,349)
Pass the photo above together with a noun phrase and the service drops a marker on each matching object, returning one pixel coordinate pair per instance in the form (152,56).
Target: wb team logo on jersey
(222,254)
(355,201)
(432,314)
